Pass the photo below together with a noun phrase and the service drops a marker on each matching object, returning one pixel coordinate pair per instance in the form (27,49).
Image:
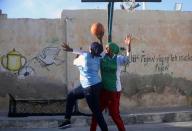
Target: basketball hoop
(130,4)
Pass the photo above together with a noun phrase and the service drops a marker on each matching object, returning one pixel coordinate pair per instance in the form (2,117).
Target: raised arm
(67,48)
(100,37)
(121,59)
(127,42)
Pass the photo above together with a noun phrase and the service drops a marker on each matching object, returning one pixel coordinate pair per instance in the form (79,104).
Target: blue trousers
(91,94)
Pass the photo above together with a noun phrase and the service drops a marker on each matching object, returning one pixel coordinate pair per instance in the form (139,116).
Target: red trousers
(110,100)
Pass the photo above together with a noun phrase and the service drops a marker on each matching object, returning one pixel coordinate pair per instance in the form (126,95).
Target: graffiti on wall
(48,56)
(17,63)
(161,62)
(13,61)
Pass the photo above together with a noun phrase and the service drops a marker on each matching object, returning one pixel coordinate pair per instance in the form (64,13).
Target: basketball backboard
(120,0)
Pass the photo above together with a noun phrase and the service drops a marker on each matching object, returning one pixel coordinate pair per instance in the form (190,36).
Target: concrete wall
(160,72)
(31,38)
(159,75)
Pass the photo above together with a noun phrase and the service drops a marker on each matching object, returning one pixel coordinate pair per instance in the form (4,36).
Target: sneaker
(65,124)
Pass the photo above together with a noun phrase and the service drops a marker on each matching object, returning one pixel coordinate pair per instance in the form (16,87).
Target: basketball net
(129,4)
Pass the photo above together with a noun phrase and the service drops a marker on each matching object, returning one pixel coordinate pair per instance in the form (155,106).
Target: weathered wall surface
(159,75)
(160,72)
(38,41)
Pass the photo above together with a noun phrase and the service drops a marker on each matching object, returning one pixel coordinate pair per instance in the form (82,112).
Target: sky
(53,8)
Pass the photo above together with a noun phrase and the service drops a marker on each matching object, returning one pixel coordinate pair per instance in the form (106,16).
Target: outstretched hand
(100,36)
(66,47)
(127,40)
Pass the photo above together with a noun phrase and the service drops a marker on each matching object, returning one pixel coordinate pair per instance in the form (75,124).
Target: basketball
(97,29)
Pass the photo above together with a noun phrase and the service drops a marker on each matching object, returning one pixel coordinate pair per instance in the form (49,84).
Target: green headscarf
(113,47)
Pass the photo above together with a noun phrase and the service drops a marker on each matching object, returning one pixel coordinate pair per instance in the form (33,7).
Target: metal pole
(110,20)
(109,5)
(67,20)
(66,66)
